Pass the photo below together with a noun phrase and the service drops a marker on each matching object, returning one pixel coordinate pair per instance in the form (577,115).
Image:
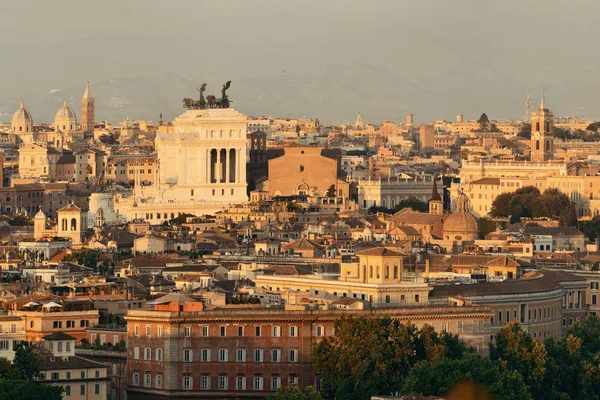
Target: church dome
(461,224)
(22,115)
(65,112)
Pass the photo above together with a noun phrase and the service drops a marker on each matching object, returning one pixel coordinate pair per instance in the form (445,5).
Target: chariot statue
(211,100)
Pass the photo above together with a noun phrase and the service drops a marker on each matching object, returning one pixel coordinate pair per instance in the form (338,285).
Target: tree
(521,353)
(18,380)
(293,392)
(485,226)
(593,127)
(369,356)
(525,131)
(28,390)
(568,217)
(410,202)
(331,191)
(438,379)
(591,228)
(484,122)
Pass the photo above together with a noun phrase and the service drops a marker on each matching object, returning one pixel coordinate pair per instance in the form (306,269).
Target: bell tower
(88,110)
(436,205)
(542,134)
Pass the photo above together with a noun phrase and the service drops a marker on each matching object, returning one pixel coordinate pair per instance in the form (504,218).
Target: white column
(218,166)
(243,171)
(228,164)
(202,165)
(208,164)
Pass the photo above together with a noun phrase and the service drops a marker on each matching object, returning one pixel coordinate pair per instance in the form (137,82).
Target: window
(460,326)
(258,355)
(159,354)
(293,356)
(188,355)
(275,355)
(275,382)
(387,298)
(159,381)
(158,331)
(240,383)
(54,376)
(97,374)
(82,374)
(320,331)
(136,379)
(293,331)
(223,383)
(417,298)
(222,331)
(69,374)
(147,380)
(240,355)
(258,383)
(223,355)
(292,380)
(137,330)
(59,346)
(240,331)
(188,382)
(136,353)
(82,390)
(205,331)
(257,331)
(276,331)
(68,390)
(148,330)
(594,299)
(205,383)
(147,354)
(187,331)
(205,355)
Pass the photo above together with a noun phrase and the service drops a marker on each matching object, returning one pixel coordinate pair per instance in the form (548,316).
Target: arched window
(68,346)
(547,145)
(537,126)
(73,224)
(387,272)
(378,275)
(59,346)
(537,144)
(370,271)
(548,126)
(64,224)
(395,272)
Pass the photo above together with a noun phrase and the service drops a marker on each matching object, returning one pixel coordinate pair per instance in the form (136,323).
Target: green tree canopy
(293,392)
(436,379)
(484,122)
(369,356)
(410,202)
(528,202)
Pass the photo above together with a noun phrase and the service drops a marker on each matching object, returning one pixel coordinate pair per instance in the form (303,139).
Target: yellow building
(376,277)
(81,378)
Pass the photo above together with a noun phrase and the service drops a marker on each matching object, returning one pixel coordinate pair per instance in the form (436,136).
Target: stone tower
(70,223)
(39,225)
(542,134)
(88,110)
(436,205)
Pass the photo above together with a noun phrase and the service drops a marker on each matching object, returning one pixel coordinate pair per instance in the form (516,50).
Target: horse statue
(211,101)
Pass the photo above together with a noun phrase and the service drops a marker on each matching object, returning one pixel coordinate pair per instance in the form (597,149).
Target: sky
(323,59)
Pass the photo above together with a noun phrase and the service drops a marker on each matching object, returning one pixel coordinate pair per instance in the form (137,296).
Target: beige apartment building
(123,169)
(82,379)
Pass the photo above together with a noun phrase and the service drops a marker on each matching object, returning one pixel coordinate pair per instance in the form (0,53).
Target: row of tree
(380,356)
(528,202)
(409,202)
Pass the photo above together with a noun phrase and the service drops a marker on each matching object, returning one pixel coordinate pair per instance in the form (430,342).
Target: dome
(22,115)
(461,222)
(65,112)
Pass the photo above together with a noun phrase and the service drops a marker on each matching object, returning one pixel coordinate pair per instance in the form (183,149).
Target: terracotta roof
(381,252)
(59,336)
(73,362)
(536,284)
(553,230)
(481,260)
(486,181)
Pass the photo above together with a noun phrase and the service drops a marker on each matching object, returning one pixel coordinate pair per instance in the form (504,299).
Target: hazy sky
(325,59)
